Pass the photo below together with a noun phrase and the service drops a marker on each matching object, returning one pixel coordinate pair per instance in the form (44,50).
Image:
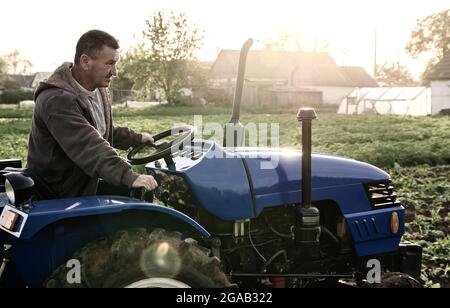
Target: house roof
(300,68)
(358,75)
(39,77)
(442,70)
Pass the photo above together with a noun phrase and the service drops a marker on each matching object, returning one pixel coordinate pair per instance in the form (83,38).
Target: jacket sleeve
(125,138)
(83,144)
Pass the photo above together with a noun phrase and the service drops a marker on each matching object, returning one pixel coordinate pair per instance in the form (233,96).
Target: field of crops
(415,151)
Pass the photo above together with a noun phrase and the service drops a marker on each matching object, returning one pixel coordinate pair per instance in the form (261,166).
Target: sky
(46,31)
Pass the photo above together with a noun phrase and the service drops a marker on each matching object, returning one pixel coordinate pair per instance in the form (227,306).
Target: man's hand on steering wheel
(147,139)
(163,149)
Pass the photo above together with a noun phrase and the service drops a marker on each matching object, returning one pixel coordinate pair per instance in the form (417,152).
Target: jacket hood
(61,78)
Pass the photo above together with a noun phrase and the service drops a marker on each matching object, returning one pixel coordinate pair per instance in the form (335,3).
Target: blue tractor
(221,221)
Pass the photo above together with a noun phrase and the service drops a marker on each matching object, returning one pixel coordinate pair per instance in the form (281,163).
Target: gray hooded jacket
(66,151)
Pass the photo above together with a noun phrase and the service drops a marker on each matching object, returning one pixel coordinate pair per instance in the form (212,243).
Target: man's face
(102,69)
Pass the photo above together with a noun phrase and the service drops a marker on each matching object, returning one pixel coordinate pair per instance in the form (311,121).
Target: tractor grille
(382,194)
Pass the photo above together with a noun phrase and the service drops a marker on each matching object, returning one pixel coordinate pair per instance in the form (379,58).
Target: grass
(385,141)
(414,150)
(425,193)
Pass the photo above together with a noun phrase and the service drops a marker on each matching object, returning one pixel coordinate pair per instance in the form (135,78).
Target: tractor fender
(44,213)
(55,229)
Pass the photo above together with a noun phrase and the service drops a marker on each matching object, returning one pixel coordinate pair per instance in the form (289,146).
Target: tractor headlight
(395,223)
(19,188)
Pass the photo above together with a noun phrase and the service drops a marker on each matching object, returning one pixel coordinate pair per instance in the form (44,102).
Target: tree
(429,67)
(18,64)
(3,66)
(286,42)
(5,82)
(121,86)
(392,74)
(162,61)
(294,41)
(431,35)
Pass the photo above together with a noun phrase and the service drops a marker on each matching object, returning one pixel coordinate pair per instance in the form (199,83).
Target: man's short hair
(92,42)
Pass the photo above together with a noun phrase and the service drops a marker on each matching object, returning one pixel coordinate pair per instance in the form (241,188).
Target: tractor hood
(276,176)
(281,171)
(239,183)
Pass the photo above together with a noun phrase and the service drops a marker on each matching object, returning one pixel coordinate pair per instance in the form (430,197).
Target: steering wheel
(163,149)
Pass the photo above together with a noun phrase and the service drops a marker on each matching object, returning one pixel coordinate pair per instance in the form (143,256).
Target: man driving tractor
(72,138)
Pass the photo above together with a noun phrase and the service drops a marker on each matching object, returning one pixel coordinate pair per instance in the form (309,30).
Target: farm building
(287,78)
(20,81)
(26,82)
(39,77)
(439,79)
(415,101)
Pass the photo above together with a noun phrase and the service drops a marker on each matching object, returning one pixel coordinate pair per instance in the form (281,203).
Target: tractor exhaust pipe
(308,228)
(306,115)
(234,130)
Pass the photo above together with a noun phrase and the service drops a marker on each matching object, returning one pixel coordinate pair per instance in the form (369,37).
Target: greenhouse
(414,101)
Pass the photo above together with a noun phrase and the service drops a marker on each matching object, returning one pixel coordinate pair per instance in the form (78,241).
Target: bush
(15,96)
(445,112)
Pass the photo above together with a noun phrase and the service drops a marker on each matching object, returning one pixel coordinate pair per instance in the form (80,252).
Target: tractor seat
(42,190)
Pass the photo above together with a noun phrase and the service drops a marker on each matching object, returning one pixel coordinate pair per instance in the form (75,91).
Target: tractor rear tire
(143,259)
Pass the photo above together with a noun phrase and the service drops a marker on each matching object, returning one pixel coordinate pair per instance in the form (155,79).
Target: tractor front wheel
(137,258)
(395,280)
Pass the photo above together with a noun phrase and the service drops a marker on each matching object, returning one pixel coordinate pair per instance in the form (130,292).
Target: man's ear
(84,62)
